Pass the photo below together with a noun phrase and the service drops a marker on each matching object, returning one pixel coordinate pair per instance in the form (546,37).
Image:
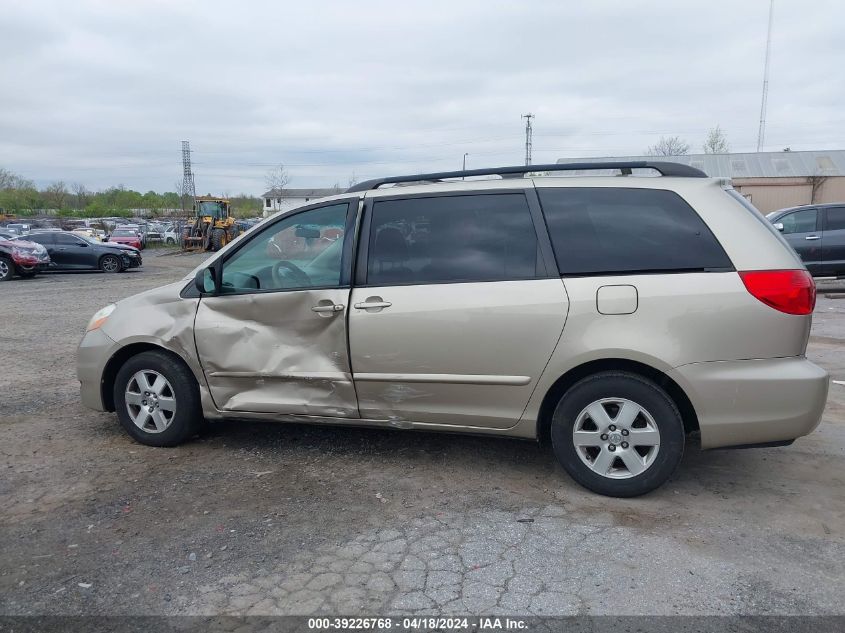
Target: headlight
(98,319)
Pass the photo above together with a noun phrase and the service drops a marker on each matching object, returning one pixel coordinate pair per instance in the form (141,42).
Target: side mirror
(205,281)
(779,226)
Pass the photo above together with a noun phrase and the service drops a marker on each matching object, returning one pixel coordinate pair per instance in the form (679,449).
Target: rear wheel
(110,264)
(157,400)
(618,434)
(7,269)
(218,239)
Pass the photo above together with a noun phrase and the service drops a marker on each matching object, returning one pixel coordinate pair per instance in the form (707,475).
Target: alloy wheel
(616,438)
(150,401)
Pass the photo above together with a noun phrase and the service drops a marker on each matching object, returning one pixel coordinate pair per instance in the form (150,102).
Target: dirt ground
(265,518)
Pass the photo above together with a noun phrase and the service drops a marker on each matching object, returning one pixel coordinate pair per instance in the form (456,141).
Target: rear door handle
(812,237)
(332,307)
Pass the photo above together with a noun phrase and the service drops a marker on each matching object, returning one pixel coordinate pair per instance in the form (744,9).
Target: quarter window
(301,251)
(614,230)
(452,239)
(835,218)
(799,222)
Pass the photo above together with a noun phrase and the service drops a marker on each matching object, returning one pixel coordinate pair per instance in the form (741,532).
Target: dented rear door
(274,340)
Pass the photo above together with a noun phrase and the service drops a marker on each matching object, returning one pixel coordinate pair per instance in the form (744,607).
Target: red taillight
(790,291)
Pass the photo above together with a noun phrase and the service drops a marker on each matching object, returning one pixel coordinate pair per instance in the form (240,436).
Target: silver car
(611,316)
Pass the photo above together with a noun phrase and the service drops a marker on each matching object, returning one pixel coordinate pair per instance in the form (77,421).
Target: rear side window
(835,218)
(605,231)
(799,222)
(452,239)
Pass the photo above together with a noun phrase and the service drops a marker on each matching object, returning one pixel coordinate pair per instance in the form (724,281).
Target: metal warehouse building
(770,180)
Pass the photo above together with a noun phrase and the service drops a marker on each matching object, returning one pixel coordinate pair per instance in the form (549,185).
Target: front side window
(300,251)
(799,222)
(67,240)
(603,230)
(452,239)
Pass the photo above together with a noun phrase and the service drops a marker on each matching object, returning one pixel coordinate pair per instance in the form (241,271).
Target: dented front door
(274,339)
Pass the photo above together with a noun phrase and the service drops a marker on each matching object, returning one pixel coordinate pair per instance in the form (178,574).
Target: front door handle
(812,237)
(332,307)
(372,303)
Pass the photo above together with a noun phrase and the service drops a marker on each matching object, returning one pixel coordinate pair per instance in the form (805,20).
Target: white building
(287,199)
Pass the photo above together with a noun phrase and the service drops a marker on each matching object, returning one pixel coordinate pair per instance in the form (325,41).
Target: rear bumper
(739,403)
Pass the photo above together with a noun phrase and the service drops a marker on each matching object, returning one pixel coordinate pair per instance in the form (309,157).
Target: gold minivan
(613,316)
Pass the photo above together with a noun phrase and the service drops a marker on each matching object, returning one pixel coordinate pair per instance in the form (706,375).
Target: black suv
(817,233)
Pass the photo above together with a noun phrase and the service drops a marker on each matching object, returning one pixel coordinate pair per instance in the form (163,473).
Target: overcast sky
(102,92)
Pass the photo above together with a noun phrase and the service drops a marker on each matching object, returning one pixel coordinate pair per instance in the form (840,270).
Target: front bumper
(131,262)
(94,352)
(747,402)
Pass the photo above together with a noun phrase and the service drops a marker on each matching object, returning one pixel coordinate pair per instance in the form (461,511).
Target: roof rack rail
(665,169)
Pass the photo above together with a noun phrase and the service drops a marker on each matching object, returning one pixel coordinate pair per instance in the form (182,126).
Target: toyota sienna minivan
(612,316)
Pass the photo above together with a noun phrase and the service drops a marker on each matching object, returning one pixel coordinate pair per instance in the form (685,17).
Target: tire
(218,239)
(169,242)
(7,269)
(172,384)
(628,468)
(110,264)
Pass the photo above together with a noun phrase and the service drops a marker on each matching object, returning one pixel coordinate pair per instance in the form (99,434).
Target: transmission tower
(188,189)
(528,137)
(761,132)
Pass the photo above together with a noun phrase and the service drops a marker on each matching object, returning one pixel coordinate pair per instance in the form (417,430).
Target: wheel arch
(117,361)
(567,380)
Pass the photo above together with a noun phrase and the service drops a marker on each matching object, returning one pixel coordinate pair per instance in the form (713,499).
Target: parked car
(76,252)
(92,233)
(817,233)
(19,227)
(611,316)
(171,237)
(21,257)
(130,237)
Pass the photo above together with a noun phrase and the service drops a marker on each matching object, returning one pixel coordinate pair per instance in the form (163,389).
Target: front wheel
(7,269)
(157,400)
(110,264)
(218,239)
(618,434)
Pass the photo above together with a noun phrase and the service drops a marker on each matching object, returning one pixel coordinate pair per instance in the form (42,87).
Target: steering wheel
(284,271)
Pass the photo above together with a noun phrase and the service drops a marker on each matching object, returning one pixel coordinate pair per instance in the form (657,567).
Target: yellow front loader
(212,227)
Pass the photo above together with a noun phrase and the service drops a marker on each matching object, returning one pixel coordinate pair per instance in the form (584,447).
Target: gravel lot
(263,518)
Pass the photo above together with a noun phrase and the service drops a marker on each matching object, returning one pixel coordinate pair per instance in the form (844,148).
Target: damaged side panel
(271,353)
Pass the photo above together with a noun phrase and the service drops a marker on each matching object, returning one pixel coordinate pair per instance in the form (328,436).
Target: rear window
(605,231)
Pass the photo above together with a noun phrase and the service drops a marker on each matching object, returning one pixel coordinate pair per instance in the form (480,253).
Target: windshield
(771,214)
(214,209)
(124,233)
(89,239)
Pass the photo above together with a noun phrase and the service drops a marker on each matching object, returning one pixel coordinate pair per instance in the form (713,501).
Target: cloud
(103,92)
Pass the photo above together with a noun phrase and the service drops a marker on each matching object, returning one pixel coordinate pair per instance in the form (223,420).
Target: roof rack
(665,169)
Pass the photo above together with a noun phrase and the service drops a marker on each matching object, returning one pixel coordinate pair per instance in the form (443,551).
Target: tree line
(20,196)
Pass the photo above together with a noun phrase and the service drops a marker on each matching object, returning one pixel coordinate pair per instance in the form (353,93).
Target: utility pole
(465,165)
(188,189)
(761,132)
(528,135)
